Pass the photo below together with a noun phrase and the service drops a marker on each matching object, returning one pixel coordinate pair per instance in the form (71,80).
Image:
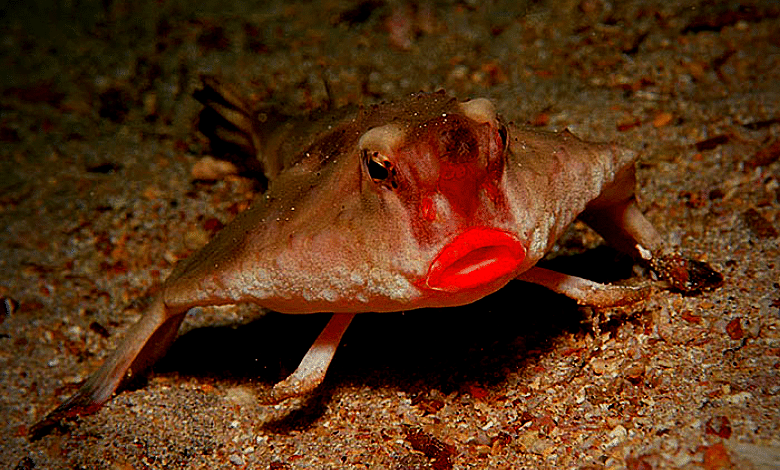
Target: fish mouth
(474,258)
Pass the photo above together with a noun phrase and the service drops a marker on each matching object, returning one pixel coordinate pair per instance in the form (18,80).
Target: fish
(426,201)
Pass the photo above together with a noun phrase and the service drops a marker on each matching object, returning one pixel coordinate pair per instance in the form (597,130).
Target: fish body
(424,202)
(329,235)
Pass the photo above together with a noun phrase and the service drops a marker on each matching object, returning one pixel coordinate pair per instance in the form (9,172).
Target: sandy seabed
(98,139)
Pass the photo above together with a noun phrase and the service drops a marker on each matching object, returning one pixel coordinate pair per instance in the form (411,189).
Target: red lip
(476,257)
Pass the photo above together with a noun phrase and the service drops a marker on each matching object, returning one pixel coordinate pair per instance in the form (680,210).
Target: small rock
(738,398)
(599,366)
(618,432)
(240,395)
(661,119)
(210,169)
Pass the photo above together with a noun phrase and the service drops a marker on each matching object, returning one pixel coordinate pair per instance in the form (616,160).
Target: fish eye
(377,171)
(380,169)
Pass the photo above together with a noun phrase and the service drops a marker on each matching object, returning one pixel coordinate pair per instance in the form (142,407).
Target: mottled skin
(426,202)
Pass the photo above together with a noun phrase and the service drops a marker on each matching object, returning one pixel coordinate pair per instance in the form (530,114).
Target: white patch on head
(382,139)
(442,207)
(355,278)
(257,283)
(480,110)
(330,295)
(391,286)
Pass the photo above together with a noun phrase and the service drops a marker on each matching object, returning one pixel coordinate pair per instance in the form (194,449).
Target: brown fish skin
(424,202)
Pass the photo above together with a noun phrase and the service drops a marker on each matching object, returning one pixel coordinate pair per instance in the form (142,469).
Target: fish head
(439,177)
(401,206)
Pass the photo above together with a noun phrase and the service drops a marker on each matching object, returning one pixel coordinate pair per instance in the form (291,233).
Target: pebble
(240,395)
(738,398)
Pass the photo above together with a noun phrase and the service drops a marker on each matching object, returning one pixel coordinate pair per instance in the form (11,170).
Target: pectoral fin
(623,226)
(143,345)
(311,371)
(586,292)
